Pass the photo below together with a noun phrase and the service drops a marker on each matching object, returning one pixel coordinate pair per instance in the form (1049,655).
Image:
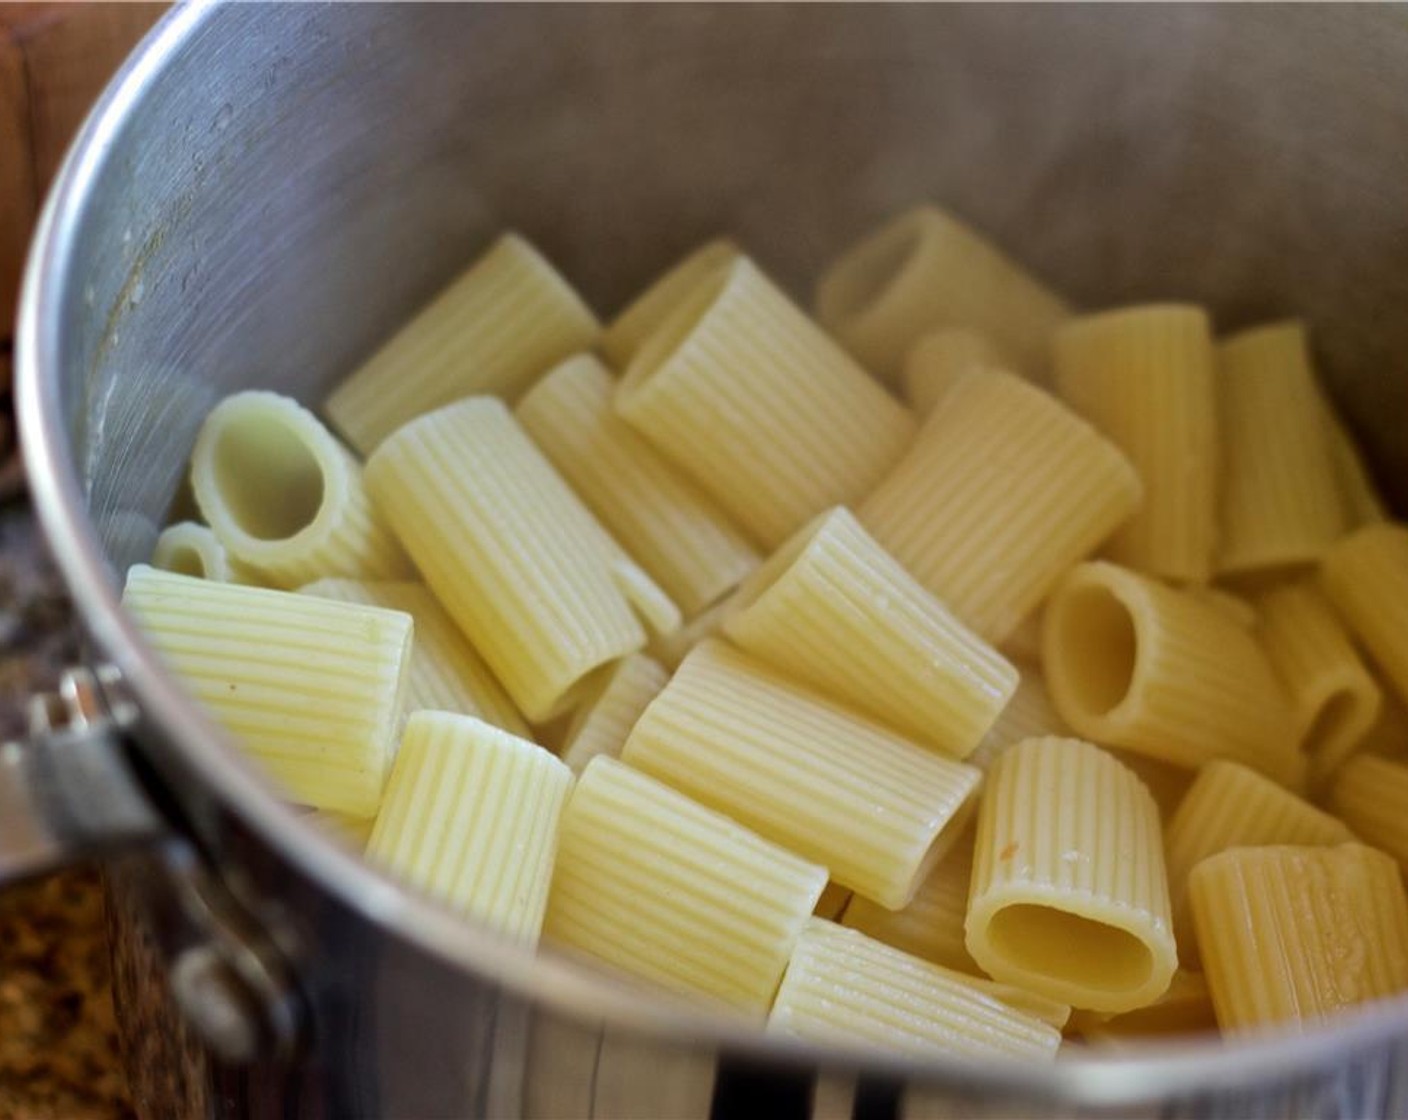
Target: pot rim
(1141,1073)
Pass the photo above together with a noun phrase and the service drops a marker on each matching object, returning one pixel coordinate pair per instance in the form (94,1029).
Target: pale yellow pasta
(311,689)
(1363,504)
(877,810)
(515,559)
(751,399)
(937,360)
(1024,643)
(491,330)
(1186,1008)
(1281,502)
(843,987)
(1388,738)
(352,831)
(670,526)
(607,713)
(1230,806)
(640,319)
(931,926)
(1234,606)
(284,497)
(1167,784)
(1371,795)
(924,270)
(833,902)
(189,549)
(1366,577)
(445,673)
(670,649)
(1051,1011)
(833,610)
(1145,377)
(471,817)
(1293,935)
(1139,665)
(1055,906)
(1003,490)
(661,887)
(1028,715)
(1333,695)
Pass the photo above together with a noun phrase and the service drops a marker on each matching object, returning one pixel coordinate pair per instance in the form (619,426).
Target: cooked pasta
(491,330)
(625,334)
(1281,503)
(834,611)
(189,549)
(471,816)
(1234,606)
(514,558)
(841,986)
(284,497)
(1366,577)
(1144,377)
(924,270)
(1230,806)
(877,810)
(1054,906)
(1371,795)
(1134,663)
(310,688)
(352,831)
(1333,695)
(445,673)
(1003,490)
(1291,935)
(1028,715)
(742,392)
(1024,643)
(662,519)
(833,902)
(670,649)
(609,711)
(939,359)
(654,884)
(1186,1008)
(1167,784)
(1363,504)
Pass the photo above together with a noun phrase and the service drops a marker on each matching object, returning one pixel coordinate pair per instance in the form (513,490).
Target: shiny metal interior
(268,189)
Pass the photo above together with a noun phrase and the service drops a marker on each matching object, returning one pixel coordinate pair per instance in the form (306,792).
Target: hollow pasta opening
(185,560)
(1096,642)
(1042,939)
(269,480)
(660,346)
(860,278)
(776,566)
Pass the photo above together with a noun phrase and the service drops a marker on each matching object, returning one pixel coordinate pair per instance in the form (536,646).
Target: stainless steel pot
(266,190)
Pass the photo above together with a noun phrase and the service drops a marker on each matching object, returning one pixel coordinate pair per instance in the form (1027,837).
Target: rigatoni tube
(603,720)
(445,674)
(285,497)
(1028,715)
(312,689)
(643,315)
(507,548)
(1054,905)
(1292,935)
(1003,489)
(1134,663)
(844,987)
(753,401)
(834,611)
(492,330)
(937,360)
(1371,795)
(877,810)
(656,885)
(189,549)
(666,522)
(1366,577)
(1281,503)
(924,270)
(1145,377)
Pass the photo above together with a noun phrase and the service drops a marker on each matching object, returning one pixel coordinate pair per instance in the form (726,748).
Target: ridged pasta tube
(924,270)
(604,719)
(833,902)
(1230,806)
(1145,377)
(877,810)
(1055,906)
(1281,502)
(751,399)
(491,330)
(671,649)
(1029,714)
(834,611)
(445,674)
(937,360)
(310,688)
(507,548)
(1371,795)
(471,817)
(285,497)
(1366,577)
(1293,935)
(625,334)
(1003,490)
(844,987)
(1334,696)
(661,887)
(1363,504)
(1186,1008)
(668,524)
(189,549)
(1134,663)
